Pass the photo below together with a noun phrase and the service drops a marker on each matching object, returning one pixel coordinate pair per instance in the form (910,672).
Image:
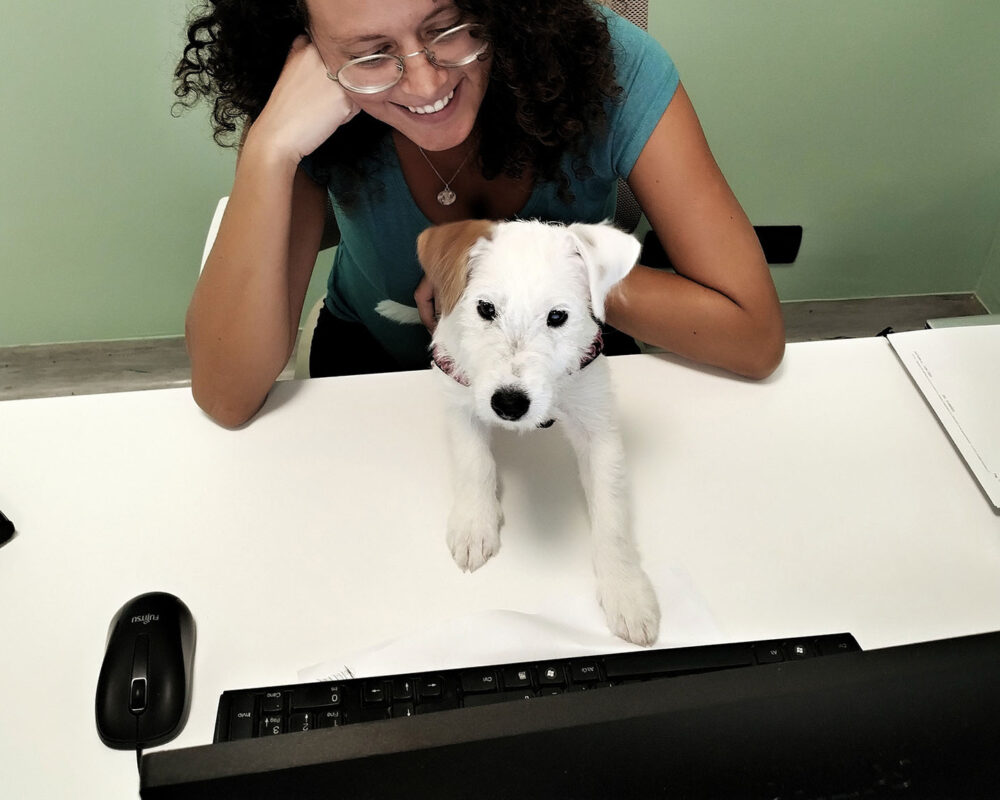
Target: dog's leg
(474,522)
(625,591)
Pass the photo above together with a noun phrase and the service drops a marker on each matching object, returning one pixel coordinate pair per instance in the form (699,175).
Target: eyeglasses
(456,47)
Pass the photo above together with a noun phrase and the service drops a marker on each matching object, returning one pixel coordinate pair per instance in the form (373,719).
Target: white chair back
(213,231)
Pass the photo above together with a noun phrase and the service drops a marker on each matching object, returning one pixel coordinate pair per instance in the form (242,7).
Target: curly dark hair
(553,71)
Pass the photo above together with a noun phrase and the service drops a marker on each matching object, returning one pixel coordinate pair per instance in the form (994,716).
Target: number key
(271,726)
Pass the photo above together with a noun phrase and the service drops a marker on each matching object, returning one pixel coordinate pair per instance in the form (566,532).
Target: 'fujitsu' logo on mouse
(145,619)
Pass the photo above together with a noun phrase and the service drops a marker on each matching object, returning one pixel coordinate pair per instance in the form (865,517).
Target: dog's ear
(609,255)
(444,255)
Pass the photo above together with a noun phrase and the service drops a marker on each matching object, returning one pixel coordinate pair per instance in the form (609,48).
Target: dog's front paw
(474,534)
(630,606)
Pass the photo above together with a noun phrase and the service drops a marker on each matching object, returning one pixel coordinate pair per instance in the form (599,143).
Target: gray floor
(95,367)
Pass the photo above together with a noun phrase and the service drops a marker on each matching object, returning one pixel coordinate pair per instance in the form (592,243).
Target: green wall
(875,125)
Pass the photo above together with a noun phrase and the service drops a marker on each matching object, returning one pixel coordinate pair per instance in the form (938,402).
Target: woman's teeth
(434,108)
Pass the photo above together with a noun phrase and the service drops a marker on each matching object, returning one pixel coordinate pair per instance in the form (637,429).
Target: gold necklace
(447,195)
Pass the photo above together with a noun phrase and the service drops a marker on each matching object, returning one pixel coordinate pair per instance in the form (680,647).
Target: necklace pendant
(446,196)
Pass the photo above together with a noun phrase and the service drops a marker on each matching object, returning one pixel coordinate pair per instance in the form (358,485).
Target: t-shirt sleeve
(320,175)
(649,79)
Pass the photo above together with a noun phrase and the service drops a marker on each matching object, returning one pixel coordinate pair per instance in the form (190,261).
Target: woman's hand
(423,295)
(305,106)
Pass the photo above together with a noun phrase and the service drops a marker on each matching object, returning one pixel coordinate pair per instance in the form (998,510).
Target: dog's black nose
(510,403)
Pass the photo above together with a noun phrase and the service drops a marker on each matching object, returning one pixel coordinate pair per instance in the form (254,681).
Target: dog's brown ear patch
(444,254)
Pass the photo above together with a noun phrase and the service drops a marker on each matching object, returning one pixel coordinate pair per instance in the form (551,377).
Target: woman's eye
(379,51)
(486,310)
(556,317)
(373,62)
(440,28)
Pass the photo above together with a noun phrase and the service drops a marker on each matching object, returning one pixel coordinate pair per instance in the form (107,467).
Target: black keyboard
(274,710)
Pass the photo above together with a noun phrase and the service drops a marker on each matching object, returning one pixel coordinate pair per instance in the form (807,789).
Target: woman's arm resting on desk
(244,316)
(721,307)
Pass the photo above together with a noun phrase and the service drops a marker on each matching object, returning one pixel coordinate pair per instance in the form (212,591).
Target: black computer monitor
(920,720)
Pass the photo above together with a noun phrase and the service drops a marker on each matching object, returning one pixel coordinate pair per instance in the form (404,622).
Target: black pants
(347,348)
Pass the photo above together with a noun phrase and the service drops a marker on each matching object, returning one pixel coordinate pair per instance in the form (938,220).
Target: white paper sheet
(563,628)
(958,371)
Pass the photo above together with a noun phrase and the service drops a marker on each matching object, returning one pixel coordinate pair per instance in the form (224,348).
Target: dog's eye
(556,318)
(486,310)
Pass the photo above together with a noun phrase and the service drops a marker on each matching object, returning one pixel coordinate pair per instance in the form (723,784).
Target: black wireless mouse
(144,689)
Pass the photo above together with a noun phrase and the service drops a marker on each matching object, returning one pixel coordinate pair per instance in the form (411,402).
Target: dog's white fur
(525,270)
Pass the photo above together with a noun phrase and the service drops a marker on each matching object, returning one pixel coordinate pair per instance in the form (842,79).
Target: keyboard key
(316,695)
(273,703)
(831,645)
(770,653)
(551,675)
(373,693)
(272,726)
(430,687)
(402,689)
(404,709)
(585,671)
(479,680)
(302,721)
(330,719)
(800,649)
(517,677)
(241,717)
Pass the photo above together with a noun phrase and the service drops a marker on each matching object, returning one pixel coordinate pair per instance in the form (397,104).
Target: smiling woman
(408,113)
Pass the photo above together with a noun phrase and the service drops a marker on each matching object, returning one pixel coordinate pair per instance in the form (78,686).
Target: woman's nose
(421,78)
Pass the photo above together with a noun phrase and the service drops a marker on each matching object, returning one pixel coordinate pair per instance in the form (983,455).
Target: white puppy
(518,345)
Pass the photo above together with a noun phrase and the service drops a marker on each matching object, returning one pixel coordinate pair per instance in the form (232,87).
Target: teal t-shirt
(376,259)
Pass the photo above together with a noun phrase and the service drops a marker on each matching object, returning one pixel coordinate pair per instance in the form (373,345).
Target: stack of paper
(958,371)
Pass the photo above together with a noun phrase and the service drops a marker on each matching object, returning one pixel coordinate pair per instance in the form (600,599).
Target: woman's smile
(435,108)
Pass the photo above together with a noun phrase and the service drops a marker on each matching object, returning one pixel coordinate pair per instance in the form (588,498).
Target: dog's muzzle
(508,402)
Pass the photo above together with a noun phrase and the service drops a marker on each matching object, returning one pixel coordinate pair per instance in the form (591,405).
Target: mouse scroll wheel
(137,688)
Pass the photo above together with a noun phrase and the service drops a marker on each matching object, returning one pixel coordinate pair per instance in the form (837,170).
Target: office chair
(627,210)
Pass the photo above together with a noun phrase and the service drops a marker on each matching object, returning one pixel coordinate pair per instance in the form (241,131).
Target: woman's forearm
(676,313)
(243,318)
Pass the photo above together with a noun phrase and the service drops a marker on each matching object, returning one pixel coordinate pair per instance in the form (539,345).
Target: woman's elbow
(222,414)
(228,412)
(764,351)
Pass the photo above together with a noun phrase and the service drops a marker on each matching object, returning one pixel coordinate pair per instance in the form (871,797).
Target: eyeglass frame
(427,52)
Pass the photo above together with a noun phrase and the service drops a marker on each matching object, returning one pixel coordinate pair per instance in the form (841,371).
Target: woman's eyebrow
(363,38)
(359,39)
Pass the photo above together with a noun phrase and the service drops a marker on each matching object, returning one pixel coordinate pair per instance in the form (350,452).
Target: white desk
(824,499)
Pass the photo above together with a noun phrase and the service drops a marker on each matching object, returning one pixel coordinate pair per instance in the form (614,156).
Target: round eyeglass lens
(371,74)
(458,47)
